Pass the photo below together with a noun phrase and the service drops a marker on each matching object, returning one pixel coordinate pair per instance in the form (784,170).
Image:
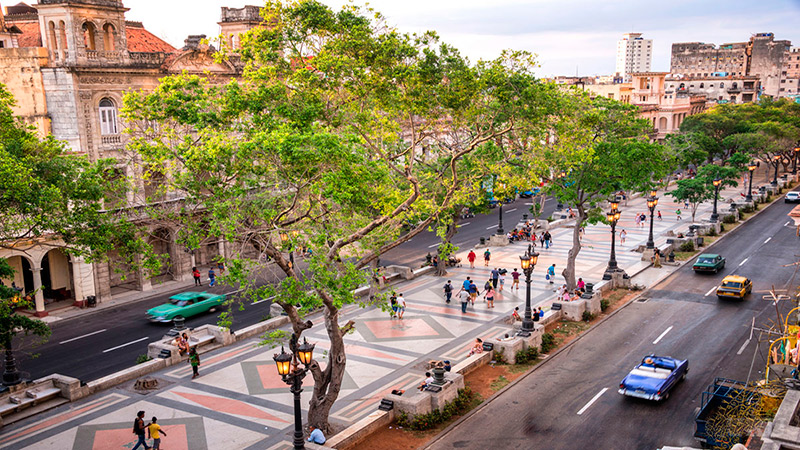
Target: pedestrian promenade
(240,402)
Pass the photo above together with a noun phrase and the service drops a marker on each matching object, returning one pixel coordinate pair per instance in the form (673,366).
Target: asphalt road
(571,400)
(102,342)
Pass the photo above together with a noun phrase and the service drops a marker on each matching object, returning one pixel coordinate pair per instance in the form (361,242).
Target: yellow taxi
(734,286)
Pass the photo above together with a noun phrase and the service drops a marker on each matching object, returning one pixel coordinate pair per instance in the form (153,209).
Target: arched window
(62,29)
(51,35)
(662,124)
(88,36)
(108,37)
(702,85)
(108,117)
(721,85)
(735,85)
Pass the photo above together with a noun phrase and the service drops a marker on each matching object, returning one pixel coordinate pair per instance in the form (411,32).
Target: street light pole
(652,202)
(613,217)
(716,182)
(292,374)
(500,230)
(794,165)
(528,262)
(752,168)
(776,158)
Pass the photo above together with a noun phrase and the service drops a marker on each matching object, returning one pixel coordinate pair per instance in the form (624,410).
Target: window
(88,35)
(108,117)
(721,85)
(701,86)
(108,37)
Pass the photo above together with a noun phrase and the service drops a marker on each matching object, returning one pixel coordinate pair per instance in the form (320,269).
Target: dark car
(709,262)
(654,377)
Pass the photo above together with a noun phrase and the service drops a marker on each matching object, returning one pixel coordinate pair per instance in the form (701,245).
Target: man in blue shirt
(466,284)
(316,436)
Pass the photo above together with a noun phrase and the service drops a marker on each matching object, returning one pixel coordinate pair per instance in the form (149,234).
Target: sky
(569,36)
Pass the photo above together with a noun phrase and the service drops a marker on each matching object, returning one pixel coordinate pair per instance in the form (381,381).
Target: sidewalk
(240,402)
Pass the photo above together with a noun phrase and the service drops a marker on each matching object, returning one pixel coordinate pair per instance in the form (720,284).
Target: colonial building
(719,89)
(68,64)
(634,54)
(790,75)
(761,56)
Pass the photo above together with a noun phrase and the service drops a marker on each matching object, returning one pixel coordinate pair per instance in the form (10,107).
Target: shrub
(604,304)
(548,342)
(550,218)
(721,228)
(459,405)
(587,316)
(731,218)
(142,359)
(500,358)
(687,246)
(527,355)
(712,232)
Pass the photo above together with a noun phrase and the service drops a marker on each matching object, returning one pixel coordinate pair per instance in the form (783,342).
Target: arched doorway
(161,240)
(57,277)
(23,275)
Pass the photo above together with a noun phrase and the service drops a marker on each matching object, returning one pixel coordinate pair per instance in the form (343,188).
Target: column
(83,279)
(221,244)
(38,292)
(141,276)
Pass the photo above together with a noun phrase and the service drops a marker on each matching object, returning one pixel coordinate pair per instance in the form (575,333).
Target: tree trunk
(441,269)
(694,210)
(569,271)
(328,382)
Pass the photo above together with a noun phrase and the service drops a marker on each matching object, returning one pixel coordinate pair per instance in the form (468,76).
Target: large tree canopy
(341,131)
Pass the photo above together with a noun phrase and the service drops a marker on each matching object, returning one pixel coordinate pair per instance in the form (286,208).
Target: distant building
(790,75)
(761,56)
(717,89)
(634,54)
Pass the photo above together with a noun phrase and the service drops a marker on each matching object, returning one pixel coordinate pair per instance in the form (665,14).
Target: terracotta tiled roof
(141,40)
(30,36)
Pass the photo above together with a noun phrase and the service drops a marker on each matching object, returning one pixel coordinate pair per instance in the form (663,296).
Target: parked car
(185,304)
(654,377)
(528,193)
(792,197)
(734,286)
(708,262)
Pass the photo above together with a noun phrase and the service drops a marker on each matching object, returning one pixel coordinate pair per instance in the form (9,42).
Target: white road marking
(768,239)
(594,399)
(493,226)
(743,347)
(743,261)
(262,301)
(435,245)
(710,291)
(787,223)
(124,345)
(511,210)
(464,224)
(81,337)
(528,203)
(662,335)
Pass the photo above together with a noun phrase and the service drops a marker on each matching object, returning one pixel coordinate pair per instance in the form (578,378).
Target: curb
(578,338)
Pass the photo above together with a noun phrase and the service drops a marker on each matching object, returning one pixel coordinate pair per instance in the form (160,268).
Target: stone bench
(357,432)
(472,362)
(37,394)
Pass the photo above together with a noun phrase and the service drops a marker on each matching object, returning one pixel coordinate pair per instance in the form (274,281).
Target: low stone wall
(780,434)
(260,328)
(351,436)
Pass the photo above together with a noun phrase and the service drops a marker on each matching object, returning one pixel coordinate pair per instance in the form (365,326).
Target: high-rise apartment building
(761,56)
(634,54)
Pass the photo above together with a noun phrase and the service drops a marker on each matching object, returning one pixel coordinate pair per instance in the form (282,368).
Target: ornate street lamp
(613,217)
(528,262)
(777,159)
(751,168)
(716,183)
(500,230)
(292,374)
(796,154)
(652,202)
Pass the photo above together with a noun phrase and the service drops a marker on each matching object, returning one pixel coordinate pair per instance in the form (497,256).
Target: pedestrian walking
(155,432)
(194,360)
(551,273)
(401,306)
(448,291)
(548,239)
(196,276)
(638,221)
(212,277)
(466,283)
(489,296)
(473,292)
(622,236)
(221,268)
(686,204)
(514,279)
(678,214)
(138,430)
(643,220)
(393,305)
(495,277)
(463,297)
(502,279)
(659,214)
(471,259)
(487,255)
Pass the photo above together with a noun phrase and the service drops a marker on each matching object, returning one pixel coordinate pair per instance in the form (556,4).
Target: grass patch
(683,256)
(499,383)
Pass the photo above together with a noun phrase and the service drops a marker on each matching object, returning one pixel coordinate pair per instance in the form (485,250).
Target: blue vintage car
(654,377)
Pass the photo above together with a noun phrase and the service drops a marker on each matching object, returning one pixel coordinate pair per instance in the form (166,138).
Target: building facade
(634,54)
(761,56)
(728,89)
(790,75)
(68,64)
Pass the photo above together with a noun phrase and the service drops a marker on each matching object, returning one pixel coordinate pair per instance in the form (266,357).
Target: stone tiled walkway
(239,401)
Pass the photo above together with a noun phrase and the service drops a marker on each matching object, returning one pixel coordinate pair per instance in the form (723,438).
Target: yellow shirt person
(155,433)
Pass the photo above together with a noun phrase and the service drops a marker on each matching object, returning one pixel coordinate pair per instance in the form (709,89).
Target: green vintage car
(185,304)
(709,262)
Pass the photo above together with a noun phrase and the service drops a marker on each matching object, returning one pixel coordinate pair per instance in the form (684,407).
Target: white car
(792,197)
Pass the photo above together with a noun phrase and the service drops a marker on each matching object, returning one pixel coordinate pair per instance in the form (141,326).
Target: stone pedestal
(647,254)
(498,240)
(535,339)
(593,303)
(573,311)
(405,272)
(449,391)
(412,402)
(508,349)
(620,280)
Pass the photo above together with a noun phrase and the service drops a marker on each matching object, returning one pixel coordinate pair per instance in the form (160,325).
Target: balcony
(734,90)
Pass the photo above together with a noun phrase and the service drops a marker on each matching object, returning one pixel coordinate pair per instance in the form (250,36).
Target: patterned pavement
(239,401)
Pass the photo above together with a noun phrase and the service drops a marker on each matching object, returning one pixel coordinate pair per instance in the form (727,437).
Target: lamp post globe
(527,261)
(776,159)
(292,374)
(751,168)
(717,182)
(652,202)
(794,165)
(613,217)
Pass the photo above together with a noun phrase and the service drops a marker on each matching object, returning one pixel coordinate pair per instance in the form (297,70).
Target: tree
(341,131)
(599,147)
(692,190)
(701,188)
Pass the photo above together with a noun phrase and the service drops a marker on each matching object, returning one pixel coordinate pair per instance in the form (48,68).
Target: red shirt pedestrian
(471,257)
